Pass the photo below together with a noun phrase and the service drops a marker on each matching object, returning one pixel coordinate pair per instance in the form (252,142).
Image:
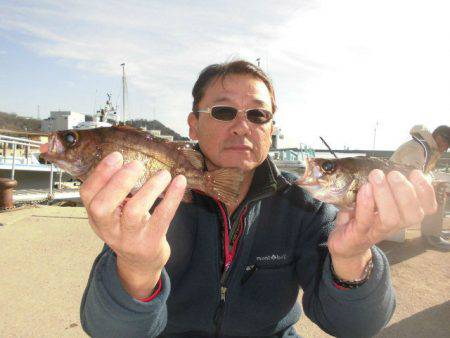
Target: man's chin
(244,165)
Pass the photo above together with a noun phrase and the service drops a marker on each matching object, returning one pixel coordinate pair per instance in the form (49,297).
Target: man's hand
(383,207)
(125,224)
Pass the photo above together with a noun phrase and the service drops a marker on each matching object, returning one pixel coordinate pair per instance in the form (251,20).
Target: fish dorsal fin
(193,156)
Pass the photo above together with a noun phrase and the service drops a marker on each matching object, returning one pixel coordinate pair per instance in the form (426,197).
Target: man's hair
(221,71)
(444,132)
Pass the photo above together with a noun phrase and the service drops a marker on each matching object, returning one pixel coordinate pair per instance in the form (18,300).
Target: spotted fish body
(337,181)
(79,151)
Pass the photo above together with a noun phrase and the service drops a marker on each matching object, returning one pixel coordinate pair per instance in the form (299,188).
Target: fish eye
(70,138)
(328,166)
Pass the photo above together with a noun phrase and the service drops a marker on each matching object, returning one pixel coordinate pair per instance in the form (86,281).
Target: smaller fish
(79,151)
(337,181)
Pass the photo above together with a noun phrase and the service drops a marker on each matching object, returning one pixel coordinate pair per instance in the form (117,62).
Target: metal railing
(7,141)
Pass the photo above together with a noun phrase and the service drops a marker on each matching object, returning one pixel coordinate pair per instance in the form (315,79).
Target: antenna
(375,134)
(326,144)
(95,103)
(123,93)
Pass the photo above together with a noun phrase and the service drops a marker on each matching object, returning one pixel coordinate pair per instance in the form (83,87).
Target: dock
(47,253)
(33,195)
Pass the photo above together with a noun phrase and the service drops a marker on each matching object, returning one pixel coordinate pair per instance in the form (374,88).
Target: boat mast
(124,84)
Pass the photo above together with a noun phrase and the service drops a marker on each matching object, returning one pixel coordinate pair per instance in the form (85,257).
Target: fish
(337,181)
(79,151)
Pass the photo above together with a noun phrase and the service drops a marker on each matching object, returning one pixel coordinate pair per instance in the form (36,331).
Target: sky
(358,73)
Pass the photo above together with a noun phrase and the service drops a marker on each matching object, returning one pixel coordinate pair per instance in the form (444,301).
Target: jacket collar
(267,179)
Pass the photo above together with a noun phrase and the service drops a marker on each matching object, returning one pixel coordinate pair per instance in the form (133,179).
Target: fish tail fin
(224,184)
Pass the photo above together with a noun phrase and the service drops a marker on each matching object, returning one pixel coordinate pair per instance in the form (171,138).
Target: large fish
(79,151)
(337,181)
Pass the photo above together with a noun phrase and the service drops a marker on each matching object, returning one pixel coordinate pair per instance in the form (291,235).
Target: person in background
(423,152)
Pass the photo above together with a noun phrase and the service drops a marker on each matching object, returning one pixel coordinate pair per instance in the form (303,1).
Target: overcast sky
(338,67)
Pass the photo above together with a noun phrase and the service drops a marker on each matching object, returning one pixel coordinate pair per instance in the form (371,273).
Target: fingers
(100,176)
(164,212)
(136,211)
(365,208)
(387,208)
(406,198)
(424,191)
(108,199)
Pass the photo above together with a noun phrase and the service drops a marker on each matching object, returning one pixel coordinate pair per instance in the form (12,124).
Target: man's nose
(240,125)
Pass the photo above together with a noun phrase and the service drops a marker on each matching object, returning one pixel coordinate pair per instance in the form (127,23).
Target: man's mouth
(239,146)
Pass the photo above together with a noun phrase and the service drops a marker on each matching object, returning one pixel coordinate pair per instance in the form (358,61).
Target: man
(423,152)
(207,269)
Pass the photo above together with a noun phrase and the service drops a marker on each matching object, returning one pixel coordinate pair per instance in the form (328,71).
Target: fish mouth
(309,178)
(55,153)
(54,148)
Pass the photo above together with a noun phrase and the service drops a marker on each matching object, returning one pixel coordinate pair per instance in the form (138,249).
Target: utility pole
(375,134)
(123,93)
(38,113)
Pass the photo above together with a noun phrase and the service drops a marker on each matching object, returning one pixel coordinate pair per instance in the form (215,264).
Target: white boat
(101,118)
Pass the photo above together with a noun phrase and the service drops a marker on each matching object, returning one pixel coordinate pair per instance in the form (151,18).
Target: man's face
(238,143)
(441,143)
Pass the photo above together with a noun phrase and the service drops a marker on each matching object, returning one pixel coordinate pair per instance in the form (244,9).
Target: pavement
(47,253)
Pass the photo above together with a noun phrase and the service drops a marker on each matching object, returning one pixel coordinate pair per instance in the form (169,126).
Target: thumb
(365,208)
(165,211)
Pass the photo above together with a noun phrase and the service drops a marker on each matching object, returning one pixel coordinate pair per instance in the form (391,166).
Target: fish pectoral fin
(194,157)
(224,184)
(352,191)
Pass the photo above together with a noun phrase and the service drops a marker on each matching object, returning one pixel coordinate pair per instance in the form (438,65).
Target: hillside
(155,124)
(19,123)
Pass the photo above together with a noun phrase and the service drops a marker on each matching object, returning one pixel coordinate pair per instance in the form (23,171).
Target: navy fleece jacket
(282,248)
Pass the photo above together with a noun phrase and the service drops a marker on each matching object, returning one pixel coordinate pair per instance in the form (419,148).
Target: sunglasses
(225,113)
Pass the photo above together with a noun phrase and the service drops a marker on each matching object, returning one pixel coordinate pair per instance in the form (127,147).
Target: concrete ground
(47,252)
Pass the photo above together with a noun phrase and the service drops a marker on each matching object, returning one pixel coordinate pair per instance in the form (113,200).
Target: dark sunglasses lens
(224,113)
(259,116)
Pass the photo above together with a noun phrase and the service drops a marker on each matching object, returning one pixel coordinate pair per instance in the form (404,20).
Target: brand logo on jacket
(273,257)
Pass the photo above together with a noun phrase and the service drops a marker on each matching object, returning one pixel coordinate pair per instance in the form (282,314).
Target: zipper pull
(223,292)
(249,271)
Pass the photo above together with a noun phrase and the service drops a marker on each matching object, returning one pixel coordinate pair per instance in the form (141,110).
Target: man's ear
(193,126)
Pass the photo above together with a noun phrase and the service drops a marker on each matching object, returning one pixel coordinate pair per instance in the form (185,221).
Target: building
(62,120)
(157,133)
(276,135)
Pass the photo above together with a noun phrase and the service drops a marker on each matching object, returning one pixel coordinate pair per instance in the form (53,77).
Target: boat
(105,117)
(20,159)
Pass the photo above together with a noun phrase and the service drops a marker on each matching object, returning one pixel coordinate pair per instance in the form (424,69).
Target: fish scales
(337,181)
(79,152)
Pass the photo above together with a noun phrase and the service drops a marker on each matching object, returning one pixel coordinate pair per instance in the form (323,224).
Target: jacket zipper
(225,274)
(251,269)
(218,316)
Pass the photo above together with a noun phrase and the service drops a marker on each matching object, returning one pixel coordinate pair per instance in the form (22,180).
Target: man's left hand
(385,205)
